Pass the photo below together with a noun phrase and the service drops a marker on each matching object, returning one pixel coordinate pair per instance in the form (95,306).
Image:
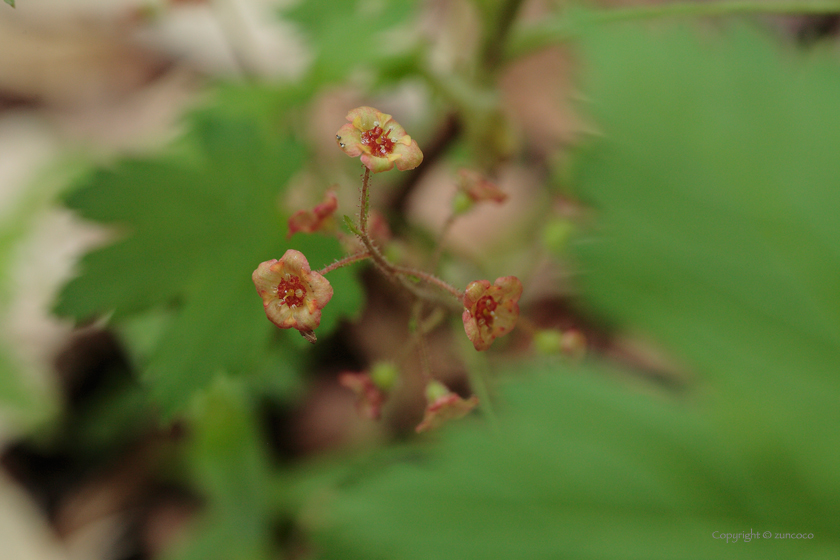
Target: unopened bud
(461,203)
(383,375)
(435,390)
(556,235)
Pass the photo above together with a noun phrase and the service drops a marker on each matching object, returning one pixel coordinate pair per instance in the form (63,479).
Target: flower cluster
(293,295)
(378,140)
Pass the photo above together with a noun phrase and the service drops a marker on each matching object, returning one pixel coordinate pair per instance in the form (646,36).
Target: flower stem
(561,28)
(356,257)
(364,205)
(430,279)
(496,33)
(447,225)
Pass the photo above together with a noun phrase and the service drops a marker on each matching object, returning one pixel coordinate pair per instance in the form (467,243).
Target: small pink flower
(478,188)
(491,311)
(369,397)
(293,295)
(379,140)
(320,217)
(443,405)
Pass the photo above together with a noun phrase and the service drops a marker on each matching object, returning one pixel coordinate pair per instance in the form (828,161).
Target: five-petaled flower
(293,295)
(491,311)
(443,405)
(379,140)
(320,217)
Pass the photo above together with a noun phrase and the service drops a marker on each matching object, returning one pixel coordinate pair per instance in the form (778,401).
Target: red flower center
(485,311)
(378,141)
(291,291)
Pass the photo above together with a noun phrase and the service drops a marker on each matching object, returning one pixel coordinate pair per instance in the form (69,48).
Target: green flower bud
(384,375)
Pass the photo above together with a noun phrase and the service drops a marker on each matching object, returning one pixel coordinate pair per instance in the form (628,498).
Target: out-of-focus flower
(369,397)
(443,405)
(378,140)
(478,188)
(293,295)
(491,311)
(571,343)
(319,218)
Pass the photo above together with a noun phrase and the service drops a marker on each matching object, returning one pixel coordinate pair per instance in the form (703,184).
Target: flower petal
(349,139)
(365,118)
(448,407)
(377,164)
(410,155)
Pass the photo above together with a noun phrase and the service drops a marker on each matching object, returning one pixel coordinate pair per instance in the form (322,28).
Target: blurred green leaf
(191,235)
(231,470)
(10,2)
(348,34)
(578,468)
(715,187)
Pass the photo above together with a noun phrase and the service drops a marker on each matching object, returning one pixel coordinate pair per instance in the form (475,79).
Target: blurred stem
(496,33)
(477,373)
(563,27)
(447,225)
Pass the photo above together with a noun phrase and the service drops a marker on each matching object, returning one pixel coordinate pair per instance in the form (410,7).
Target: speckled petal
(511,287)
(474,292)
(474,332)
(349,139)
(320,289)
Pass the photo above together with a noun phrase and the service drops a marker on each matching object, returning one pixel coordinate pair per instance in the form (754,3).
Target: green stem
(561,28)
(496,34)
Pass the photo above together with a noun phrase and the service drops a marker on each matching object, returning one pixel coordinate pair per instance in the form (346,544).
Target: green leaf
(351,225)
(348,34)
(191,235)
(10,2)
(231,470)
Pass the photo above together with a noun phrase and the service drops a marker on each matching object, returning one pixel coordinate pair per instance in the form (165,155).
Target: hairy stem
(364,205)
(430,279)
(360,256)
